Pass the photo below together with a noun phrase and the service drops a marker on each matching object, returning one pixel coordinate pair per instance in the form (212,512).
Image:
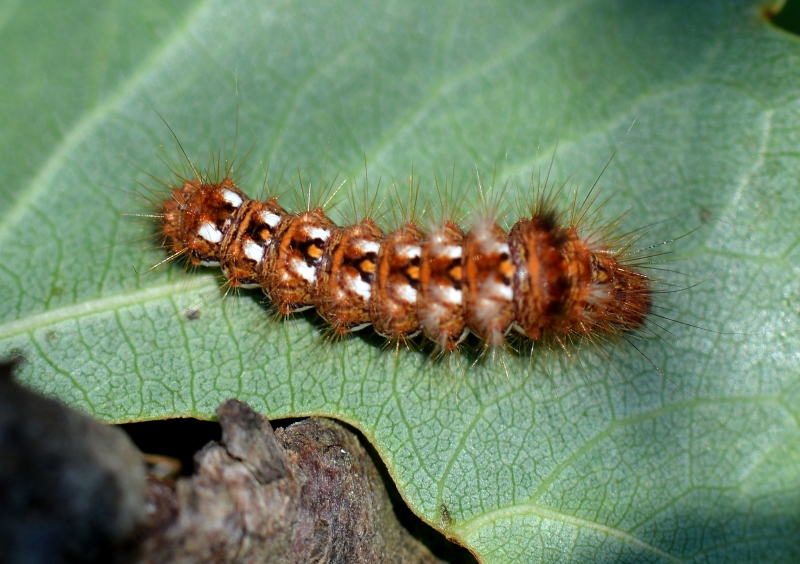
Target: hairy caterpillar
(555,275)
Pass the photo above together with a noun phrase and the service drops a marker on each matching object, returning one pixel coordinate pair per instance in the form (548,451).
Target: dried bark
(307,493)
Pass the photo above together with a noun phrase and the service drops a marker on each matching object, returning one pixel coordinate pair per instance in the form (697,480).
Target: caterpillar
(555,275)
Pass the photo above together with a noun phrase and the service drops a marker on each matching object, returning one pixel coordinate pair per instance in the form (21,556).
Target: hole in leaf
(176,438)
(786,17)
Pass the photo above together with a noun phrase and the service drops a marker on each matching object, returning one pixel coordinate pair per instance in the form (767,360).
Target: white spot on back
(505,292)
(306,272)
(407,293)
(318,233)
(360,287)
(368,246)
(450,295)
(253,251)
(232,198)
(452,252)
(491,291)
(210,233)
(409,251)
(271,219)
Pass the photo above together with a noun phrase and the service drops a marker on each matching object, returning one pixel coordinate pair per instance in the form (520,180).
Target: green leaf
(537,457)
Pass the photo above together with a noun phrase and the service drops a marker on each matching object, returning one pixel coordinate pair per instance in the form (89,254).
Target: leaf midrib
(101,305)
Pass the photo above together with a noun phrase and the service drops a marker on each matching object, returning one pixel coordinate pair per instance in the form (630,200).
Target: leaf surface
(536,457)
